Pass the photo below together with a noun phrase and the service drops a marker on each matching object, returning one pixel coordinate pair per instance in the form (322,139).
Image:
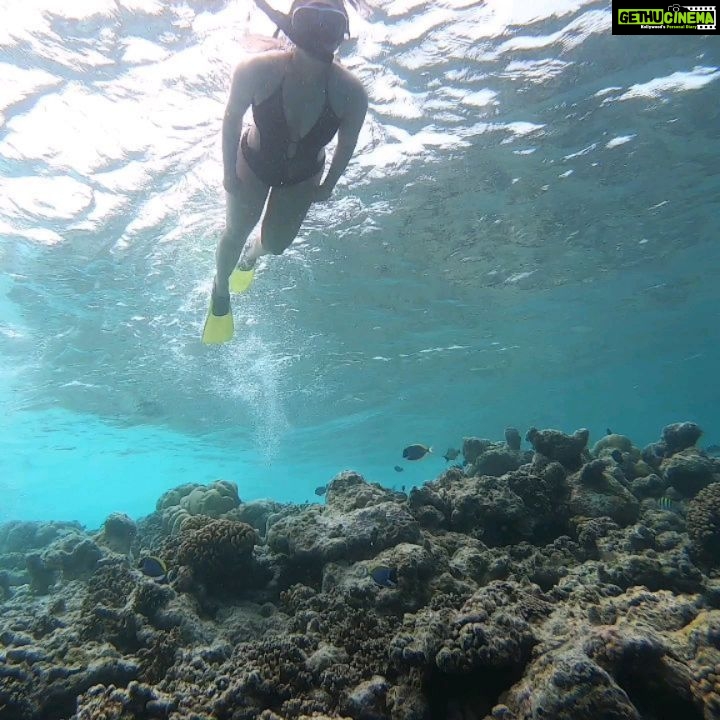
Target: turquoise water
(527,235)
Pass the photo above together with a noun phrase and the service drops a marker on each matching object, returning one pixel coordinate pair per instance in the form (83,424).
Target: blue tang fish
(153,567)
(384,576)
(416,452)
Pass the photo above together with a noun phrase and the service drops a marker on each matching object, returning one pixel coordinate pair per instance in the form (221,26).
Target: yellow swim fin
(240,280)
(218,328)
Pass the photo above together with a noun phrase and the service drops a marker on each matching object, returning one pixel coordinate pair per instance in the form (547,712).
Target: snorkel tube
(283,21)
(279,18)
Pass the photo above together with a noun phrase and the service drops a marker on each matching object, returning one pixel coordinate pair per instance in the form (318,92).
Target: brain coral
(703,522)
(217,551)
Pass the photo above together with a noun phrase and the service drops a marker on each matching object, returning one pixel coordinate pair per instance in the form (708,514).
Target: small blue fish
(617,456)
(397,468)
(321,490)
(385,576)
(153,567)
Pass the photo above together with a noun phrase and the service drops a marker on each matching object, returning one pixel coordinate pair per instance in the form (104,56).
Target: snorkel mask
(316,26)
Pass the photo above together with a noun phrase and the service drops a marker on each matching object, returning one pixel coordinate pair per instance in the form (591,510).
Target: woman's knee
(276,243)
(280,227)
(278,233)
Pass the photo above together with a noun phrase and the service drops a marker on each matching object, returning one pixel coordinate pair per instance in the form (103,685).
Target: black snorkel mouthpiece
(318,28)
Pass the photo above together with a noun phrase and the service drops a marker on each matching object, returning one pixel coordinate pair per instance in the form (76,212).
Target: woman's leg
(243,210)
(286,209)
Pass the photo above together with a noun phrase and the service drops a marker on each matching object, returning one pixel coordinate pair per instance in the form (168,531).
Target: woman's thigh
(287,207)
(244,208)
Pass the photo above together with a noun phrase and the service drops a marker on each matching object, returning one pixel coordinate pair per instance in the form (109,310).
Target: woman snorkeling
(300,100)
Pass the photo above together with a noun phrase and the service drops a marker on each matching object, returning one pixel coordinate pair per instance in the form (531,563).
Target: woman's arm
(243,86)
(350,126)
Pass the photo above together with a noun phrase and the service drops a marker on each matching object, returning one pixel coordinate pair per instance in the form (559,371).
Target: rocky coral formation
(345,529)
(568,450)
(688,471)
(680,436)
(596,492)
(486,457)
(118,533)
(522,585)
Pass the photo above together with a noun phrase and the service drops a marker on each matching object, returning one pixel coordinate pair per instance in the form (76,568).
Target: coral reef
(523,585)
(213,500)
(596,492)
(568,450)
(186,501)
(703,523)
(688,471)
(680,436)
(118,533)
(218,553)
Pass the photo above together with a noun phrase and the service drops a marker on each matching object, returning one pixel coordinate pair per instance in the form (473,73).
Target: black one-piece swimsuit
(280,160)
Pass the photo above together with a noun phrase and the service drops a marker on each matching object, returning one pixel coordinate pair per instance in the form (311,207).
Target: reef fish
(451,454)
(713,449)
(153,567)
(617,456)
(384,576)
(667,504)
(397,468)
(416,452)
(320,490)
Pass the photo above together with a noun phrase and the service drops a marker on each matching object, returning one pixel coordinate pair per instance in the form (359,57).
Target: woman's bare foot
(251,251)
